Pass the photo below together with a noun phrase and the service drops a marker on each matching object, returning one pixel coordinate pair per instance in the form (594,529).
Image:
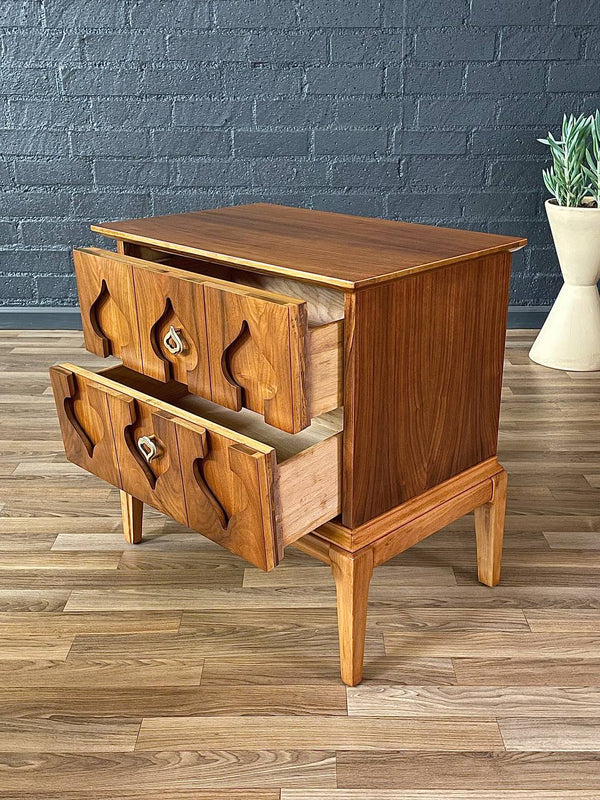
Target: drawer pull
(148,447)
(173,341)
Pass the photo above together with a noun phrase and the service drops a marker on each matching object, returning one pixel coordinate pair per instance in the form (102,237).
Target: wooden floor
(171,670)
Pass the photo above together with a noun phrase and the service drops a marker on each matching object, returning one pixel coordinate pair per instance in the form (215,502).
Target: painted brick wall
(423,110)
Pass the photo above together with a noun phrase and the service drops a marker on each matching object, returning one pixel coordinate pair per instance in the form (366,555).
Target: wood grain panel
(107,301)
(323,247)
(422,340)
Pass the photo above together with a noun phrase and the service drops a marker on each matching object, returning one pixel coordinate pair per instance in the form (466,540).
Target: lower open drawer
(242,483)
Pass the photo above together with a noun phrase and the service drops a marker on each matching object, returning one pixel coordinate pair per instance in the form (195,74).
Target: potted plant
(570,337)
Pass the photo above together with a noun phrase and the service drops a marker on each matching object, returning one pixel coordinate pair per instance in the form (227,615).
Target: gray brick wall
(425,110)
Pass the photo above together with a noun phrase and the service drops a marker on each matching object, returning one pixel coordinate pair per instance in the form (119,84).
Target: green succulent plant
(567,178)
(592,169)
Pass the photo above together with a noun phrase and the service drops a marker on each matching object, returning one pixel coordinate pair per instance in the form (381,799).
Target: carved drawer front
(248,496)
(239,346)
(107,300)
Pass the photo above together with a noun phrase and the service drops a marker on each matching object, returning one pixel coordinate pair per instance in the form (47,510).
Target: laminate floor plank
(316,733)
(76,735)
(551,735)
(516,645)
(515,672)
(94,623)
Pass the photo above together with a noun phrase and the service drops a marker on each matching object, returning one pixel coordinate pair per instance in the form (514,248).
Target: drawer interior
(245,422)
(323,304)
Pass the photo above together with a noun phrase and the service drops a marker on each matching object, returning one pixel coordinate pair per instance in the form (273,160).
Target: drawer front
(235,345)
(216,482)
(107,300)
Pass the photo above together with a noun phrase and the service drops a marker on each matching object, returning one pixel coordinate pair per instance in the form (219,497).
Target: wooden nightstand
(296,377)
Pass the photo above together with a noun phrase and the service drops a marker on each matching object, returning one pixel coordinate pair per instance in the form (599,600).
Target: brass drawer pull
(173,341)
(148,447)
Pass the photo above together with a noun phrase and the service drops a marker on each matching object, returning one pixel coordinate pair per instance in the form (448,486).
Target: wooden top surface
(318,246)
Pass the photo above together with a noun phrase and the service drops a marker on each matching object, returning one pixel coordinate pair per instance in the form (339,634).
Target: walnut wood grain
(423,374)
(331,249)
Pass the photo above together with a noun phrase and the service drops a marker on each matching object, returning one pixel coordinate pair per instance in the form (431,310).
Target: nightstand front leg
(352,575)
(132,511)
(489,532)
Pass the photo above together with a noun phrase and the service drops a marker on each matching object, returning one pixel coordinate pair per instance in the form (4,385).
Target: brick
(131,114)
(141,172)
(424,206)
(520,44)
(207,46)
(213,173)
(5,174)
(573,78)
(55,114)
(364,205)
(191,142)
(87,81)
(589,103)
(544,261)
(170,14)
(511,142)
(454,44)
(333,14)
(111,205)
(41,46)
(25,80)
(73,233)
(255,14)
(523,12)
(58,172)
(397,13)
(543,288)
(9,233)
(289,172)
(365,173)
(267,143)
(299,198)
(18,289)
(577,12)
(545,109)
(359,47)
(250,81)
(34,203)
(20,14)
(430,142)
(31,143)
(344,142)
(195,79)
(125,46)
(293,113)
(286,47)
(190,201)
(344,80)
(499,205)
(57,290)
(113,143)
(505,78)
(517,174)
(428,80)
(81,14)
(212,113)
(374,112)
(442,173)
(458,112)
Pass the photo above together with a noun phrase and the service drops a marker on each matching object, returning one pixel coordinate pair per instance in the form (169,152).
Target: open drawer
(228,475)
(235,344)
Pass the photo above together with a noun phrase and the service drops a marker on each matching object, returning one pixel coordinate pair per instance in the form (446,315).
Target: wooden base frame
(353,554)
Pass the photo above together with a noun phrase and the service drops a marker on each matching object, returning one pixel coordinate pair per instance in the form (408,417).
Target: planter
(570,337)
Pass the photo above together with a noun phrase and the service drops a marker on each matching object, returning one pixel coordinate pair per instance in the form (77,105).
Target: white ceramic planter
(570,337)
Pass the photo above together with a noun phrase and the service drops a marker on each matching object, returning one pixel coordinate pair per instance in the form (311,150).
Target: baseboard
(30,318)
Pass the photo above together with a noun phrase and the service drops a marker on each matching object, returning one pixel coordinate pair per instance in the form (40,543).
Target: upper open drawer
(237,345)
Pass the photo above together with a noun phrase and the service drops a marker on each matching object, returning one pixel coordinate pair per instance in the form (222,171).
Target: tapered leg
(489,532)
(352,575)
(132,511)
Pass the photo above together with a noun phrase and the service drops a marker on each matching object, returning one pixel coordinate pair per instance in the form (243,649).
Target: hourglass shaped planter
(570,337)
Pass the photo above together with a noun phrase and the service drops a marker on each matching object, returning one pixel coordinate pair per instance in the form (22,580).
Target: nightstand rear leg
(132,511)
(489,532)
(352,575)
